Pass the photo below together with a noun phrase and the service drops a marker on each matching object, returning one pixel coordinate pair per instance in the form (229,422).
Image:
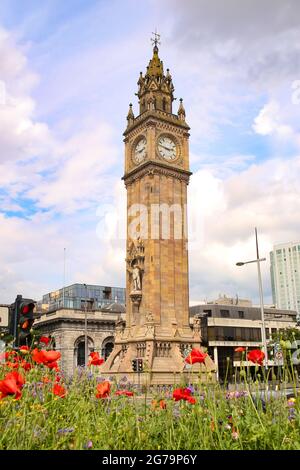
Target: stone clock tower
(157,289)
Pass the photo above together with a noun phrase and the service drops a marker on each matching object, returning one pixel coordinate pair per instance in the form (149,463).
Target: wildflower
(158,403)
(89,445)
(95,359)
(196,356)
(65,430)
(291,402)
(48,358)
(45,340)
(234,434)
(124,392)
(257,356)
(11,385)
(24,349)
(183,394)
(103,390)
(59,390)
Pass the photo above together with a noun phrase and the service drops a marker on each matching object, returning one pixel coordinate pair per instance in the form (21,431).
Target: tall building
(285,276)
(157,290)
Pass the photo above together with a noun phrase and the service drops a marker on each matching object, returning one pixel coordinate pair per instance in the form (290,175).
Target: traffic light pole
(15,321)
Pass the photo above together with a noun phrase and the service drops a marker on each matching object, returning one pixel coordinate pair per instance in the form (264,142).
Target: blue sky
(70,70)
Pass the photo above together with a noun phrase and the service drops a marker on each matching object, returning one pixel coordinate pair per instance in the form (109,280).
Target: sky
(68,71)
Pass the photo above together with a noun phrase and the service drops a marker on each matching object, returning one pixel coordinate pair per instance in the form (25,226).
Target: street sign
(4,316)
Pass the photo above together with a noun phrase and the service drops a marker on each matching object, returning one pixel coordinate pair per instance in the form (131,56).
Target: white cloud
(265,195)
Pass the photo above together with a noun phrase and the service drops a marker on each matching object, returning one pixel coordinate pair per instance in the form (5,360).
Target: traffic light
(140,365)
(25,321)
(134,365)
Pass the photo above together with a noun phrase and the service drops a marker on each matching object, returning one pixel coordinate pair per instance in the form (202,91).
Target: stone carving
(136,278)
(197,323)
(149,317)
(135,267)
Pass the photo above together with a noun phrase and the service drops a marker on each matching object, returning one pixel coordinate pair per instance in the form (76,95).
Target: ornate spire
(155,90)
(181,111)
(130,115)
(155,68)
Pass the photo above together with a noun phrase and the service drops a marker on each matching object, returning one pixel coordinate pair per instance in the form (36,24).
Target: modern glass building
(83,296)
(285,276)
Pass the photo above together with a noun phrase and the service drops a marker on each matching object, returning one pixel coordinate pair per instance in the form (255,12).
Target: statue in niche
(136,277)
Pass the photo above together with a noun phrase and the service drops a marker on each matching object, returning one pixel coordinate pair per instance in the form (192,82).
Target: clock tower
(157,289)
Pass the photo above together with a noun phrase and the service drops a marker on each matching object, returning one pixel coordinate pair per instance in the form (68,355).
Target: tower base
(163,354)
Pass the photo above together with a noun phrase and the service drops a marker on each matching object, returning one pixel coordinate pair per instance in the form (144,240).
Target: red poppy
(45,339)
(103,390)
(257,356)
(51,356)
(53,365)
(24,349)
(124,392)
(95,360)
(26,365)
(59,390)
(196,356)
(11,385)
(48,358)
(183,394)
(240,349)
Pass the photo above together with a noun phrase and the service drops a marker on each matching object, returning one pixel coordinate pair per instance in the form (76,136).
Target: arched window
(79,351)
(107,347)
(81,354)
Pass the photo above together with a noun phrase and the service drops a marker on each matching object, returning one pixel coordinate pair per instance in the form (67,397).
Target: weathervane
(156,39)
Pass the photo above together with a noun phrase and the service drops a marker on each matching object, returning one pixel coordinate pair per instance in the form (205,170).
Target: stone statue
(136,278)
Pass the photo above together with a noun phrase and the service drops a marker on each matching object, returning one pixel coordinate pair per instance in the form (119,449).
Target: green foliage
(219,419)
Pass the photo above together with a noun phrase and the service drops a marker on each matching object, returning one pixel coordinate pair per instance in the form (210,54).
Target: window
(241,314)
(81,354)
(208,313)
(224,313)
(107,293)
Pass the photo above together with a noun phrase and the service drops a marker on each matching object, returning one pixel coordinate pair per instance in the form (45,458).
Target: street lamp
(258,260)
(85,330)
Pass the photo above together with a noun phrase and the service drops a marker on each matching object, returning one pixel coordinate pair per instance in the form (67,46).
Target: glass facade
(81,297)
(229,333)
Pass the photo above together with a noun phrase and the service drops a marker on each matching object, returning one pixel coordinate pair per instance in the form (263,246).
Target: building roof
(114,307)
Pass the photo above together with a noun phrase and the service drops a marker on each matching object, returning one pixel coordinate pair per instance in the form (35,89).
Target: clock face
(167,148)
(140,151)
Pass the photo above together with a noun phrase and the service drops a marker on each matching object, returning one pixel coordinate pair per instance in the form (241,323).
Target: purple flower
(89,445)
(65,430)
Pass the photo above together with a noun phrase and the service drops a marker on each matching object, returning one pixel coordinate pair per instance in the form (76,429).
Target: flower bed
(42,409)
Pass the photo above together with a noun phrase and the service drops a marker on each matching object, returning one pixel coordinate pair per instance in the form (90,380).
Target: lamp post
(258,260)
(85,330)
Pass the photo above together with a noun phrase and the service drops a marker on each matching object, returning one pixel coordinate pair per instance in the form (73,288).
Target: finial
(130,115)
(181,110)
(155,40)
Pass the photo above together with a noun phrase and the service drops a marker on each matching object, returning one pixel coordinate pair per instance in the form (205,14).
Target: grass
(218,420)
